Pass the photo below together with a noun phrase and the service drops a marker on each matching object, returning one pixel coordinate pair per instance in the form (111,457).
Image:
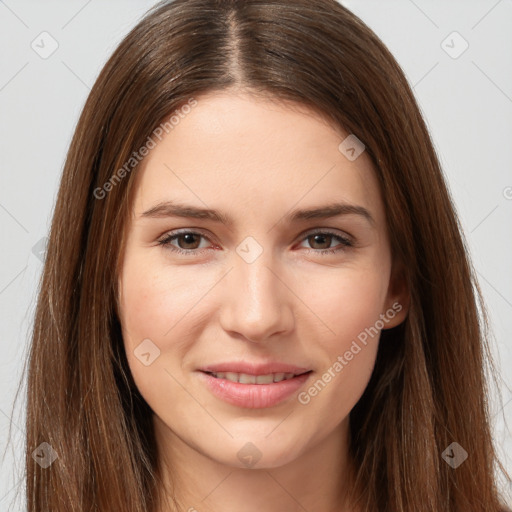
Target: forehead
(250,155)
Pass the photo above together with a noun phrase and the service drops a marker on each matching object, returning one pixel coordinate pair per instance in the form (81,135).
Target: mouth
(253,386)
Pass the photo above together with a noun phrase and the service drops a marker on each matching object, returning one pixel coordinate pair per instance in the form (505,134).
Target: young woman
(256,294)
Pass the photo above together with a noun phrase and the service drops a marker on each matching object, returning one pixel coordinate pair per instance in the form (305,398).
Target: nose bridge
(256,303)
(259,284)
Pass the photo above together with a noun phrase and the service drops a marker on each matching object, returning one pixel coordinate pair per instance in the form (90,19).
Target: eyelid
(327,231)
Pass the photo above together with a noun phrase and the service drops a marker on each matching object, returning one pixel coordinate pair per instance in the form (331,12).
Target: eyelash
(166,242)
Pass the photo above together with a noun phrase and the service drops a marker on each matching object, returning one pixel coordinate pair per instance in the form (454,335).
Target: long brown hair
(429,386)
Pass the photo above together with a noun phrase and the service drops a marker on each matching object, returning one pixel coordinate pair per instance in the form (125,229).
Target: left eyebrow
(174,209)
(329,211)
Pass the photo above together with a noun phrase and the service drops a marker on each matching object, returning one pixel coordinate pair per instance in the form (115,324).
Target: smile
(253,391)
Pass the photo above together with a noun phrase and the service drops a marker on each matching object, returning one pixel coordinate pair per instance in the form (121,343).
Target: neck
(318,479)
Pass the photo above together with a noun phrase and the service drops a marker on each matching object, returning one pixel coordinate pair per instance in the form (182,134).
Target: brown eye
(320,242)
(188,242)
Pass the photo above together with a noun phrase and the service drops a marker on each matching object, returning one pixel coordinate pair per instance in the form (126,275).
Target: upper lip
(254,368)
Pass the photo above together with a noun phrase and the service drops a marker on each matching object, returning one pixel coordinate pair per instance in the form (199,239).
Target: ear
(398,296)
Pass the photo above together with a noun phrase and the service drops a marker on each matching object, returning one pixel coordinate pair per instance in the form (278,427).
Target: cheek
(346,304)
(349,309)
(149,310)
(159,309)
(154,302)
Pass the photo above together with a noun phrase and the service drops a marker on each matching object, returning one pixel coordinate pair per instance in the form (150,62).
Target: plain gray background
(465,95)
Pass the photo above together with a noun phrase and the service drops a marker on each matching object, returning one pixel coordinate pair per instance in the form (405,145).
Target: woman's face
(255,281)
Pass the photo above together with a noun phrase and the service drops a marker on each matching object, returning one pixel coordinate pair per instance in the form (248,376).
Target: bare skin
(256,161)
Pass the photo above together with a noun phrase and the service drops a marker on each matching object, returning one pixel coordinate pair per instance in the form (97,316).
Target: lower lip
(254,396)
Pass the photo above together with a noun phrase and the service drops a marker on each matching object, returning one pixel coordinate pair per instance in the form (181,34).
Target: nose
(257,301)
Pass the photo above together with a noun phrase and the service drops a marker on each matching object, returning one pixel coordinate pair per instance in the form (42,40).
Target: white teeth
(244,378)
(231,376)
(264,379)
